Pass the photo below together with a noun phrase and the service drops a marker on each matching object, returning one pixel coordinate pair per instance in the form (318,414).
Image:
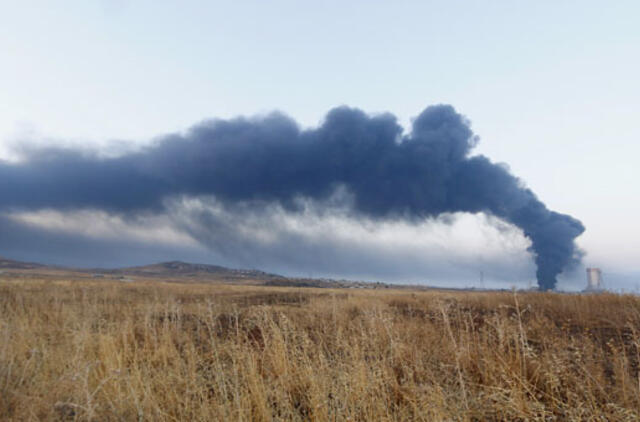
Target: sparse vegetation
(104,350)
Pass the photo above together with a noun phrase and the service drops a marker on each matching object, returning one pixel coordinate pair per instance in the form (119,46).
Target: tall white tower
(594,279)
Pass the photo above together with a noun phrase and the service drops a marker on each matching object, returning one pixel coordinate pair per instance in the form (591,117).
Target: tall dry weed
(160,351)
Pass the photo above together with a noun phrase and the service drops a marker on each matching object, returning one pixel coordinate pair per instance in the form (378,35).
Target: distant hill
(176,271)
(186,269)
(172,269)
(9,264)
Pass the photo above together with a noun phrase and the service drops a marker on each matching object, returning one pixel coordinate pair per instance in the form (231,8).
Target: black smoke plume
(270,159)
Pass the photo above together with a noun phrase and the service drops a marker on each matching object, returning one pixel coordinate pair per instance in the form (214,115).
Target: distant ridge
(10,264)
(163,269)
(178,271)
(186,269)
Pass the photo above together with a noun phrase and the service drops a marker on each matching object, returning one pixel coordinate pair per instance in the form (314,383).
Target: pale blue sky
(551,87)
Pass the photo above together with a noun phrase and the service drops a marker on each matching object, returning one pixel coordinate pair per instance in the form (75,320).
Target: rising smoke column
(269,159)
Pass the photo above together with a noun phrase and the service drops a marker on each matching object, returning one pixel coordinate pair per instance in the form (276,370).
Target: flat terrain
(156,350)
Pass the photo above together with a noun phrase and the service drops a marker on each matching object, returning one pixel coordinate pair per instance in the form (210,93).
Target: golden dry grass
(160,351)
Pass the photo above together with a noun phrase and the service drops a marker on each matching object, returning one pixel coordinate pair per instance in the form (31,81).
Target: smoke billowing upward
(387,175)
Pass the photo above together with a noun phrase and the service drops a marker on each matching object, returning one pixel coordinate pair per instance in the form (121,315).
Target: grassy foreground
(160,351)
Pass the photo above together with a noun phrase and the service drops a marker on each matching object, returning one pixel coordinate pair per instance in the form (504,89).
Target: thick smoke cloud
(386,175)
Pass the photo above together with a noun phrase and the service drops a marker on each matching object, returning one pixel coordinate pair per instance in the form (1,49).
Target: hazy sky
(551,87)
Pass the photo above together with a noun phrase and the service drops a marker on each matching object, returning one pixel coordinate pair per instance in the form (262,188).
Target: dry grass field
(103,350)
